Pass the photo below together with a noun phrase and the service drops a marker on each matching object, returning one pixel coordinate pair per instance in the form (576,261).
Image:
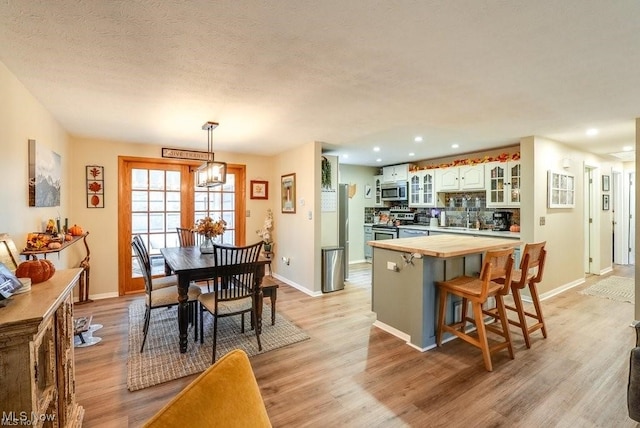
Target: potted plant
(265,232)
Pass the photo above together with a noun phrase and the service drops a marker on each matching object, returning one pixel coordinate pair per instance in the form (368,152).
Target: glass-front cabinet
(503,184)
(422,192)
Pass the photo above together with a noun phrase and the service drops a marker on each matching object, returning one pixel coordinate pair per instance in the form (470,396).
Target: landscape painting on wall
(45,169)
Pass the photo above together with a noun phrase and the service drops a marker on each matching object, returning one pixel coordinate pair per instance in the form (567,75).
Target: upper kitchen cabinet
(422,188)
(394,173)
(377,185)
(503,184)
(466,177)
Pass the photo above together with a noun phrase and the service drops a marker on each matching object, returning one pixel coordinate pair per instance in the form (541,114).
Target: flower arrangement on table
(265,232)
(209,228)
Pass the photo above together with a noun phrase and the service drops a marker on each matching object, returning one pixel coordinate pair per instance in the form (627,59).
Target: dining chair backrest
(497,264)
(143,260)
(187,237)
(237,279)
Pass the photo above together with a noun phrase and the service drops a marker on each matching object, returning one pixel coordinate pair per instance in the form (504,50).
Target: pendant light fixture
(211,173)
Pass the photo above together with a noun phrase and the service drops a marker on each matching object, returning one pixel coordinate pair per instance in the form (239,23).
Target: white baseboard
(298,286)
(100,296)
(557,290)
(394,331)
(606,270)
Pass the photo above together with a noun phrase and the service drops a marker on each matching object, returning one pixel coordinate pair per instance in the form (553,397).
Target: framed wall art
(561,189)
(45,172)
(288,193)
(605,202)
(259,189)
(95,186)
(605,183)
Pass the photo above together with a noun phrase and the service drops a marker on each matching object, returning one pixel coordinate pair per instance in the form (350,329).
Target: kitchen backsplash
(456,207)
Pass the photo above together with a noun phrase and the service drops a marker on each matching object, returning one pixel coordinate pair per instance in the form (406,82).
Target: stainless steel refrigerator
(343,225)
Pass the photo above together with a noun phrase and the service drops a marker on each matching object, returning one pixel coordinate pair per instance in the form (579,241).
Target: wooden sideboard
(37,385)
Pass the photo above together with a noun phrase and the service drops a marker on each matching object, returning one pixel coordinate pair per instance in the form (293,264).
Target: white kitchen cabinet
(455,178)
(422,190)
(472,177)
(368,236)
(447,179)
(503,183)
(395,173)
(377,185)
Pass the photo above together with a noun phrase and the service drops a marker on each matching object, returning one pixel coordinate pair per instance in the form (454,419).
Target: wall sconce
(211,173)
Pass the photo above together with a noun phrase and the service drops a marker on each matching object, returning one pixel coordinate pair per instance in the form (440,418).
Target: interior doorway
(591,242)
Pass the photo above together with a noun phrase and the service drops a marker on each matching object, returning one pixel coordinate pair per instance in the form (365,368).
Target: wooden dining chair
(235,288)
(161,297)
(189,238)
(529,275)
(497,264)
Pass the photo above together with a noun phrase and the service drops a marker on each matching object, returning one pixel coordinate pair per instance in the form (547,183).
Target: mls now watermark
(25,418)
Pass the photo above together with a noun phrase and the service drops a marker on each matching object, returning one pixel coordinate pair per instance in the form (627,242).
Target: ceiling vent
(628,156)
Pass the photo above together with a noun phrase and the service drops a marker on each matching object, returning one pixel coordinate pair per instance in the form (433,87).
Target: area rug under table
(161,360)
(613,287)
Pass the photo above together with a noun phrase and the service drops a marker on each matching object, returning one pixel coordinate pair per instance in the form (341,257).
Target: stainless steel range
(391,231)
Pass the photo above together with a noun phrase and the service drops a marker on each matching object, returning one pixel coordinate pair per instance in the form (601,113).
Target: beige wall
(22,118)
(564,228)
(329,219)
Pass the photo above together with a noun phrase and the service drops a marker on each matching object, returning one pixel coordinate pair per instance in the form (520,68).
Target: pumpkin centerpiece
(76,230)
(38,270)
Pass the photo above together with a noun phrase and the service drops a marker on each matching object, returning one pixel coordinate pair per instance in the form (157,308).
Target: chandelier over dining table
(211,173)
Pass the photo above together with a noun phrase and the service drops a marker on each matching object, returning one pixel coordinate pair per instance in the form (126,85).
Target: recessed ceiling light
(455,146)
(591,132)
(412,154)
(627,148)
(376,149)
(378,160)
(418,139)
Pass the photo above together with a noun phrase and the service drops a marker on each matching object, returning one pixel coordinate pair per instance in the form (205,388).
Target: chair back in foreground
(160,297)
(236,290)
(225,395)
(497,264)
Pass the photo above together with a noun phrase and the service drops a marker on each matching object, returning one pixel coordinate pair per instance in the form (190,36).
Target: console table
(36,344)
(83,295)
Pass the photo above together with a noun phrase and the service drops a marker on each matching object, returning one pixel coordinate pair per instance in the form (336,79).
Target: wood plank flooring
(352,374)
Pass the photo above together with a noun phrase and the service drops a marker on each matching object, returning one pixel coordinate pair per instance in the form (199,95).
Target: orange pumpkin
(68,237)
(514,228)
(38,270)
(76,230)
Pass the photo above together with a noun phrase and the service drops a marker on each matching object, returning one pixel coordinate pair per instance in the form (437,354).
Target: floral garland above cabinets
(504,157)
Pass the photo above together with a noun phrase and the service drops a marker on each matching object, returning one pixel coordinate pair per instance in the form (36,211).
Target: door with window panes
(156,197)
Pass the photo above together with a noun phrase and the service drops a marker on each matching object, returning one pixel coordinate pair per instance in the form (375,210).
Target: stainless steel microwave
(394,191)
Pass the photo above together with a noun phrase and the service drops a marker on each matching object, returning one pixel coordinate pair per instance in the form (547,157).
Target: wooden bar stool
(497,264)
(529,274)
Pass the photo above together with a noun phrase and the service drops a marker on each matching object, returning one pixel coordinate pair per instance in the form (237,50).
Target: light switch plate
(542,221)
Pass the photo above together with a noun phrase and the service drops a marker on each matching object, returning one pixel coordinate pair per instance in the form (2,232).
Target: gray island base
(404,293)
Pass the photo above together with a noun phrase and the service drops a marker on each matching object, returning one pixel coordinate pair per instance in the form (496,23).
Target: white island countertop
(444,246)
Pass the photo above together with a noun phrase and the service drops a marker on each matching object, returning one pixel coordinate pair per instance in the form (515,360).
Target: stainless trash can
(332,269)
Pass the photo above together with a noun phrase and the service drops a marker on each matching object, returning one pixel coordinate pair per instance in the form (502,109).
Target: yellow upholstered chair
(225,395)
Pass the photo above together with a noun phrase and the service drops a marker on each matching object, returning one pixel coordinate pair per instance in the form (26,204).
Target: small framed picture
(288,193)
(605,202)
(605,183)
(259,189)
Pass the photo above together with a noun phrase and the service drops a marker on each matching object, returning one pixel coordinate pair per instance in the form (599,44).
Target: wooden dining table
(188,264)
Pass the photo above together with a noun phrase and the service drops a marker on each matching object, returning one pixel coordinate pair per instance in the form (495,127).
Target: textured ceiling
(351,73)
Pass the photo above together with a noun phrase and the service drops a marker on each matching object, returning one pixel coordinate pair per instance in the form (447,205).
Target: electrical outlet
(392,266)
(542,221)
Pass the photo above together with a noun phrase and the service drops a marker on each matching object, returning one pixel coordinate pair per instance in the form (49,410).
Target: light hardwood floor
(352,374)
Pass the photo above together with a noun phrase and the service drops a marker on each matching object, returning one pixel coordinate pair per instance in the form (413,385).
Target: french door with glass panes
(156,197)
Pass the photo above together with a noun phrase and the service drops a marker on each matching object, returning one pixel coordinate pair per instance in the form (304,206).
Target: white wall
(329,219)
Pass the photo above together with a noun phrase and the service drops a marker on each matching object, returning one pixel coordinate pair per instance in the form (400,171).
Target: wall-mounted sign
(186,154)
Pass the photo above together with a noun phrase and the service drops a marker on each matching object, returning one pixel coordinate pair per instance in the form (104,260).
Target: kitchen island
(404,295)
